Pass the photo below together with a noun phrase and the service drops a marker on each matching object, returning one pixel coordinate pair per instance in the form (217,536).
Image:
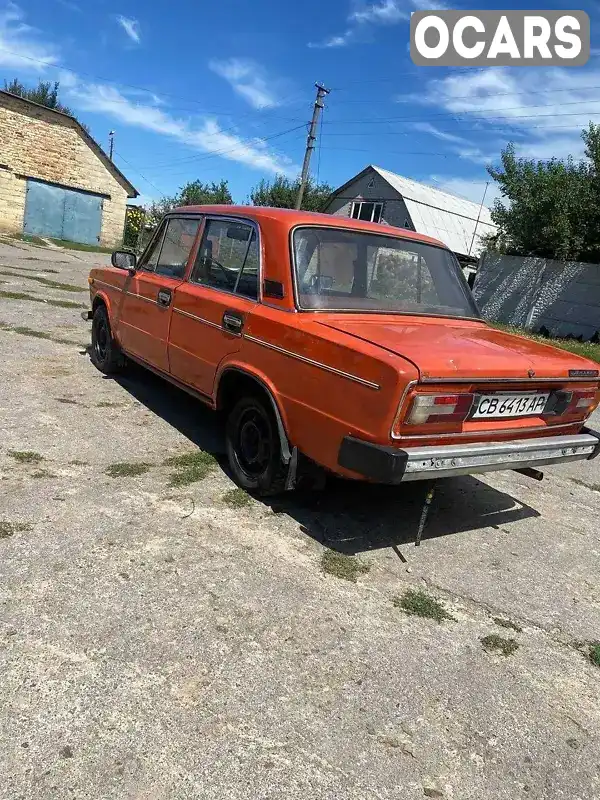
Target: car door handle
(233,322)
(164,297)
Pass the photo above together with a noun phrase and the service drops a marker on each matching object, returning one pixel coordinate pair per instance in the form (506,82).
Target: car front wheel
(106,355)
(253,447)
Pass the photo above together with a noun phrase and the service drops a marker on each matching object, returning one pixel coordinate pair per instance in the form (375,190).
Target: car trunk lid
(446,349)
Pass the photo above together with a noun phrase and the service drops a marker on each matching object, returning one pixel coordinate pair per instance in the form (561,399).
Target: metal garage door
(62,213)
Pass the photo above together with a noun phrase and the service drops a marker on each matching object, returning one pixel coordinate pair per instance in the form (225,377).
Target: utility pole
(111,138)
(310,142)
(478,216)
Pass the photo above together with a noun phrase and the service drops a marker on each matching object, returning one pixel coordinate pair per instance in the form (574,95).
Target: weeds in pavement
(43,473)
(126,469)
(507,623)
(32,298)
(26,456)
(189,467)
(594,653)
(236,498)
(495,643)
(595,487)
(31,269)
(49,282)
(108,404)
(67,401)
(347,568)
(23,330)
(77,463)
(10,528)
(420,604)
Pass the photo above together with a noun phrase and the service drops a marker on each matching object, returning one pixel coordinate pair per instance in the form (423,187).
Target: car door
(143,326)
(210,309)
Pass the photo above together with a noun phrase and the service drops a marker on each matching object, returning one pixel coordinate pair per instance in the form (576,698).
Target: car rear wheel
(254,448)
(106,354)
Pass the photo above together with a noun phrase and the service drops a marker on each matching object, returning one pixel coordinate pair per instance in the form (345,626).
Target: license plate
(498,406)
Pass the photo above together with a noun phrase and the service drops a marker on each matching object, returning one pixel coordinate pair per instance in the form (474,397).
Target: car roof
(291,218)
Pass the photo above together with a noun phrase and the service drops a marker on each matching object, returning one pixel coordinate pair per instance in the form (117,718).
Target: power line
(205,156)
(153,92)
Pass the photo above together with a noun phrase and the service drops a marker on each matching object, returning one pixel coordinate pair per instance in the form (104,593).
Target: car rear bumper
(392,465)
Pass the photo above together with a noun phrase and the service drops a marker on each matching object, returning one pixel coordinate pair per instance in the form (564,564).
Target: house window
(369,212)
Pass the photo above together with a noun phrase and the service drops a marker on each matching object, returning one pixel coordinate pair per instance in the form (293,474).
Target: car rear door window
(228,258)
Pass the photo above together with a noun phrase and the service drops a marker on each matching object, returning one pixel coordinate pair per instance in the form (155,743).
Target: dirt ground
(160,639)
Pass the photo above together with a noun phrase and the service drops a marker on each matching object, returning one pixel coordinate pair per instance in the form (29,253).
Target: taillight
(427,408)
(583,401)
(575,401)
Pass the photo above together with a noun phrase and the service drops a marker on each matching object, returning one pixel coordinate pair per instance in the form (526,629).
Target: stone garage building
(377,195)
(55,180)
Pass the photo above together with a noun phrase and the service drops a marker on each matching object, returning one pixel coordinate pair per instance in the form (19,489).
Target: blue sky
(212,90)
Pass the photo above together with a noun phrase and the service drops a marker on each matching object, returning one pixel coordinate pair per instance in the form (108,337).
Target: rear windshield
(345,270)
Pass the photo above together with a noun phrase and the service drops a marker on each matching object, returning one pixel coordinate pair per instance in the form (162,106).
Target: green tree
(194,193)
(45,94)
(549,209)
(282,193)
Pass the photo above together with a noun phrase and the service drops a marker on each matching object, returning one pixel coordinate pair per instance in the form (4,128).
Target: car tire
(105,354)
(254,447)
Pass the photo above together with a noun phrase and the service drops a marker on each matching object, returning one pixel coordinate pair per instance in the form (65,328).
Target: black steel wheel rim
(254,444)
(101,339)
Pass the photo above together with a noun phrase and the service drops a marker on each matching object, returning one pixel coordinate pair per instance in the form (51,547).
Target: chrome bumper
(393,465)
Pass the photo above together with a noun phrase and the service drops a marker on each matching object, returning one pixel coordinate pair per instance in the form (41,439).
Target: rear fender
(267,385)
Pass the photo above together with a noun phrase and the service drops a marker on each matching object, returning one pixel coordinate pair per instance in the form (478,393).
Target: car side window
(228,258)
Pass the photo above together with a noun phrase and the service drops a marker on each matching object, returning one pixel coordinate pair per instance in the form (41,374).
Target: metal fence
(561,296)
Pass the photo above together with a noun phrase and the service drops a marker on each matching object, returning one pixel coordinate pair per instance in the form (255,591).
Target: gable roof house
(378,195)
(55,179)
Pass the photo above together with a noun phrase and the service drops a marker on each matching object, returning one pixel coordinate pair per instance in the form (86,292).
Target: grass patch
(189,467)
(26,456)
(594,653)
(236,498)
(347,568)
(43,473)
(89,248)
(498,644)
(126,469)
(585,349)
(507,623)
(420,604)
(49,302)
(51,284)
(108,404)
(23,330)
(595,487)
(10,528)
(31,269)
(77,463)
(23,237)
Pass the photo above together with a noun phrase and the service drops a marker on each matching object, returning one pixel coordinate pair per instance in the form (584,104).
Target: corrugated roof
(443,216)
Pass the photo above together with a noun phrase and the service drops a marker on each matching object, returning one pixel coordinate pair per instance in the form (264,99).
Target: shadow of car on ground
(350,517)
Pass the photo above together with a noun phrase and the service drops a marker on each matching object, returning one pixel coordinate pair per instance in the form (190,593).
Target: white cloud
(388,11)
(340,40)
(548,119)
(384,12)
(208,137)
(131,28)
(426,127)
(247,78)
(21,46)
(470,189)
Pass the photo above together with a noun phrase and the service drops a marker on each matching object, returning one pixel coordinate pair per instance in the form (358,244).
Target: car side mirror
(123,259)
